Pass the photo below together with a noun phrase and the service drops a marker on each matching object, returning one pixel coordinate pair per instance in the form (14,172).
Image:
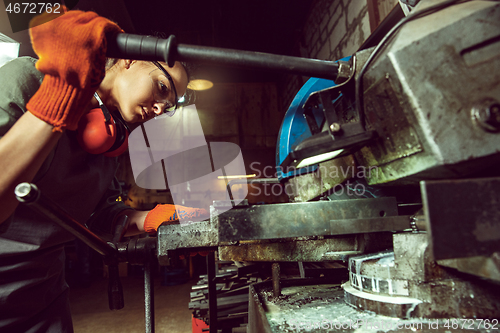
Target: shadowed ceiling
(270,26)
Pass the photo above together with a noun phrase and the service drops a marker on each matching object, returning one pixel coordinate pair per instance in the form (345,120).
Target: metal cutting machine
(390,158)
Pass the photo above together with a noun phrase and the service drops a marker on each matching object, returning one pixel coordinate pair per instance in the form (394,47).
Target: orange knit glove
(72,54)
(170,214)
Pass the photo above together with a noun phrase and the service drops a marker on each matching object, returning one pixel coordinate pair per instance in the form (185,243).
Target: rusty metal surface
(375,273)
(329,174)
(237,247)
(299,219)
(198,234)
(201,234)
(408,283)
(192,235)
(293,250)
(314,307)
(422,93)
(306,249)
(321,308)
(257,321)
(482,266)
(367,225)
(384,112)
(276,279)
(463,217)
(396,307)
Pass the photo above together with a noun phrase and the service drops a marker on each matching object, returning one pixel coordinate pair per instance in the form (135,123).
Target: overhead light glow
(199,85)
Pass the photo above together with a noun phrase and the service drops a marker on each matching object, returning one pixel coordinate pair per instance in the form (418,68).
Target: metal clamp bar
(149,307)
(30,194)
(258,60)
(129,46)
(374,224)
(212,292)
(305,219)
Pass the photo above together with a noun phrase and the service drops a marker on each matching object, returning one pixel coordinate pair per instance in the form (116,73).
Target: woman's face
(137,85)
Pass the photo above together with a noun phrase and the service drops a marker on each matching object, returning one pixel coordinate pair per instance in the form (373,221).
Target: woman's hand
(172,214)
(72,54)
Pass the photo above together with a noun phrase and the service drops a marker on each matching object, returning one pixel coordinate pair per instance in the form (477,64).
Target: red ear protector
(100,133)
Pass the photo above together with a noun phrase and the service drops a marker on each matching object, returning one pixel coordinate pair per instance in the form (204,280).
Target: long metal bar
(149,303)
(258,60)
(139,47)
(318,218)
(212,292)
(115,289)
(276,279)
(30,194)
(374,224)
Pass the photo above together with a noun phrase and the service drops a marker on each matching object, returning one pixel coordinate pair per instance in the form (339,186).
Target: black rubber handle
(130,46)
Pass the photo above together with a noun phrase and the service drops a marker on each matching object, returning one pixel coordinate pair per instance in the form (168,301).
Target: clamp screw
(26,192)
(487,115)
(494,115)
(335,127)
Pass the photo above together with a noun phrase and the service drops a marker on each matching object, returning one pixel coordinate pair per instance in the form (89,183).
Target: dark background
(271,26)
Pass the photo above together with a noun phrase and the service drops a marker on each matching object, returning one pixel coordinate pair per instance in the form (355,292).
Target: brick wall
(334,29)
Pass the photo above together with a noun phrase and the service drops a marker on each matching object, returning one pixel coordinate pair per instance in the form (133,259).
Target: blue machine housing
(294,128)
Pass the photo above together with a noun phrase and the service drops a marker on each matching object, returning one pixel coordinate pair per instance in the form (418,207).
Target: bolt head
(494,115)
(487,115)
(335,127)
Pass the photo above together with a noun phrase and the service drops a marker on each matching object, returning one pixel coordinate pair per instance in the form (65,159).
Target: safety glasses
(162,91)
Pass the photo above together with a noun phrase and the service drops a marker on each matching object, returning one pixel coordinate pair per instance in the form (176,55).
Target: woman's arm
(71,51)
(23,149)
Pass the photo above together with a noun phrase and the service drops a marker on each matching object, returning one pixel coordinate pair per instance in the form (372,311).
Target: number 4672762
(33,7)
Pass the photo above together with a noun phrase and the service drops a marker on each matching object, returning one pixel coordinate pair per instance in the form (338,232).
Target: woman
(41,105)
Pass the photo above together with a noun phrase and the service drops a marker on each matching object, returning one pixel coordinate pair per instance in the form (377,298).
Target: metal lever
(129,46)
(29,194)
(135,251)
(115,289)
